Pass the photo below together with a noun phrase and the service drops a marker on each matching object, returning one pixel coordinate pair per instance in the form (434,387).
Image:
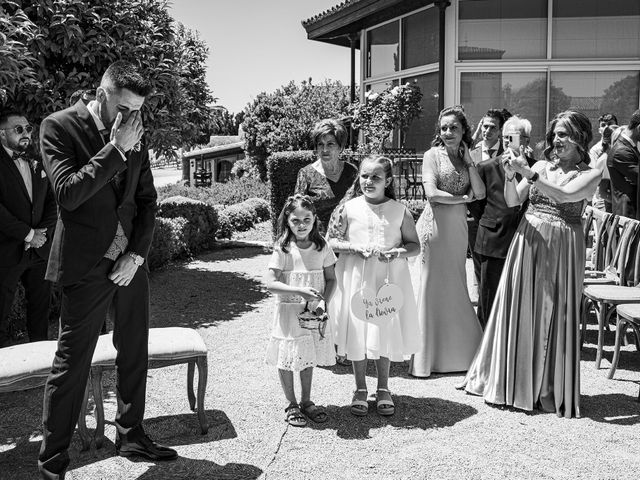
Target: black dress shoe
(143,446)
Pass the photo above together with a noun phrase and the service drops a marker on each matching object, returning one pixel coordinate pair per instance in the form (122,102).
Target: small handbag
(313,319)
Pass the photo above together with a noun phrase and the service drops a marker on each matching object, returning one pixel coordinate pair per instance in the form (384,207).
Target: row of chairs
(612,278)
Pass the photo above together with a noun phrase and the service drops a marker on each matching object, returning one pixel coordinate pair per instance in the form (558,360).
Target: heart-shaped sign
(377,307)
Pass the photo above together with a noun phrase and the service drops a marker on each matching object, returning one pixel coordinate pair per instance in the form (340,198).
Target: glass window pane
(420,38)
(595,93)
(421,131)
(502,29)
(523,94)
(596,29)
(382,49)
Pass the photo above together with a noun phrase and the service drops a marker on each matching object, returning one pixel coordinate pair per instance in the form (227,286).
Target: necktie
(18,156)
(491,151)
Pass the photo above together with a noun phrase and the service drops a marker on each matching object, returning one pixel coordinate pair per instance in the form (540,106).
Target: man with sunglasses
(27,217)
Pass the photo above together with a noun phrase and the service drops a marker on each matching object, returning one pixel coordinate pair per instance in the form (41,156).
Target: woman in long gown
(530,354)
(450,331)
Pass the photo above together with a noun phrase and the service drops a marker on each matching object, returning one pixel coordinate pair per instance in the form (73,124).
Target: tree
(381,113)
(66,45)
(621,98)
(282,120)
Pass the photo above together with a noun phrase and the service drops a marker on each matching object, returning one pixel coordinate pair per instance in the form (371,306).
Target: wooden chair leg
(202,387)
(602,315)
(96,386)
(190,372)
(620,329)
(584,315)
(82,421)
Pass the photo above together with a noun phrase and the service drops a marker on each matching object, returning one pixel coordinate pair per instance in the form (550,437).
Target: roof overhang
(350,17)
(217,151)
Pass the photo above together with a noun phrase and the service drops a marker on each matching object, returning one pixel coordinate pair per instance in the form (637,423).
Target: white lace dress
(291,347)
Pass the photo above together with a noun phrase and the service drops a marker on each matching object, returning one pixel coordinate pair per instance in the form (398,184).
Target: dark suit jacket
(475,208)
(81,168)
(623,160)
(497,221)
(18,214)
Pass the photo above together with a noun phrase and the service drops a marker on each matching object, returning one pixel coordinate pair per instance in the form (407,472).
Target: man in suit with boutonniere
(99,167)
(27,217)
(490,129)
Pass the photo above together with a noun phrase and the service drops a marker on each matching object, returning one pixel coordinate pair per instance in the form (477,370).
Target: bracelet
(510,179)
(533,178)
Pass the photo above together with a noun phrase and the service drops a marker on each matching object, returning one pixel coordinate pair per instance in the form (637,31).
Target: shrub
(234,191)
(202,221)
(415,207)
(168,241)
(242,216)
(16,321)
(283,171)
(260,208)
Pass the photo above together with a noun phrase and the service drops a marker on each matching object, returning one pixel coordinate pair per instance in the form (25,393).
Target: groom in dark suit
(103,184)
(27,216)
(497,222)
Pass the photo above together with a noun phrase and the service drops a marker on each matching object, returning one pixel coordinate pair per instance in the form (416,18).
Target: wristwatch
(137,259)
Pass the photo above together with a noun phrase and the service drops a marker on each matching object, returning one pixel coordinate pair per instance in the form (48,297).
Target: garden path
(438,432)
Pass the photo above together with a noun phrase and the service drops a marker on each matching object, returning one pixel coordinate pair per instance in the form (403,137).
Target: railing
(407,172)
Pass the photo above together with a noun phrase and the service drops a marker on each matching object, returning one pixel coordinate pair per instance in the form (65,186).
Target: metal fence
(407,172)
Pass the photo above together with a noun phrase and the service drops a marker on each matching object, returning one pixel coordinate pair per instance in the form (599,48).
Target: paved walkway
(438,432)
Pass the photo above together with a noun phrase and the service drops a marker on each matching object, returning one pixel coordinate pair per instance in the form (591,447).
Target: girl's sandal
(385,408)
(294,417)
(359,408)
(314,412)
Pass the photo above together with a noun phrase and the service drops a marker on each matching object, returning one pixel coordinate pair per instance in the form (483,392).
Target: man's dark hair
(497,114)
(608,117)
(634,121)
(9,112)
(123,74)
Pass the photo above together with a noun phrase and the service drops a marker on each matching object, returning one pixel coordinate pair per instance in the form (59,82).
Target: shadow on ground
(172,430)
(611,408)
(411,412)
(230,252)
(187,297)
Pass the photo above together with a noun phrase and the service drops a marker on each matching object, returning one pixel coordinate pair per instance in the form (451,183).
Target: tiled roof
(326,13)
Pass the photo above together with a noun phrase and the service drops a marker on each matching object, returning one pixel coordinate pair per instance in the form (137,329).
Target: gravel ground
(437,432)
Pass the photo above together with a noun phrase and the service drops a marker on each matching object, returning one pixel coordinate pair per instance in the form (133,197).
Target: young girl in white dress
(374,235)
(301,272)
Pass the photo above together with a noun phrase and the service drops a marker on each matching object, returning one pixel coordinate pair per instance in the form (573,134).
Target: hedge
(234,191)
(283,170)
(168,241)
(202,221)
(242,216)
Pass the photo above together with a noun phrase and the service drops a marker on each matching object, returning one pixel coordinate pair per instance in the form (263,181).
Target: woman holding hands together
(450,331)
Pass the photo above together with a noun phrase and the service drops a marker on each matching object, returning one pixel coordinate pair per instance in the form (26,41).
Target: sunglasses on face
(20,129)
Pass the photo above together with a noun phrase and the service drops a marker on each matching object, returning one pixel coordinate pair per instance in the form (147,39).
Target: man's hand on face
(123,271)
(126,135)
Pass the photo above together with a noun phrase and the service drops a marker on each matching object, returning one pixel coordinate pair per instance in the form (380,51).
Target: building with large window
(535,58)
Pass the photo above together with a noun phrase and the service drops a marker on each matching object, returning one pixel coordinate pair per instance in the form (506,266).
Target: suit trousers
(30,271)
(490,272)
(84,309)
